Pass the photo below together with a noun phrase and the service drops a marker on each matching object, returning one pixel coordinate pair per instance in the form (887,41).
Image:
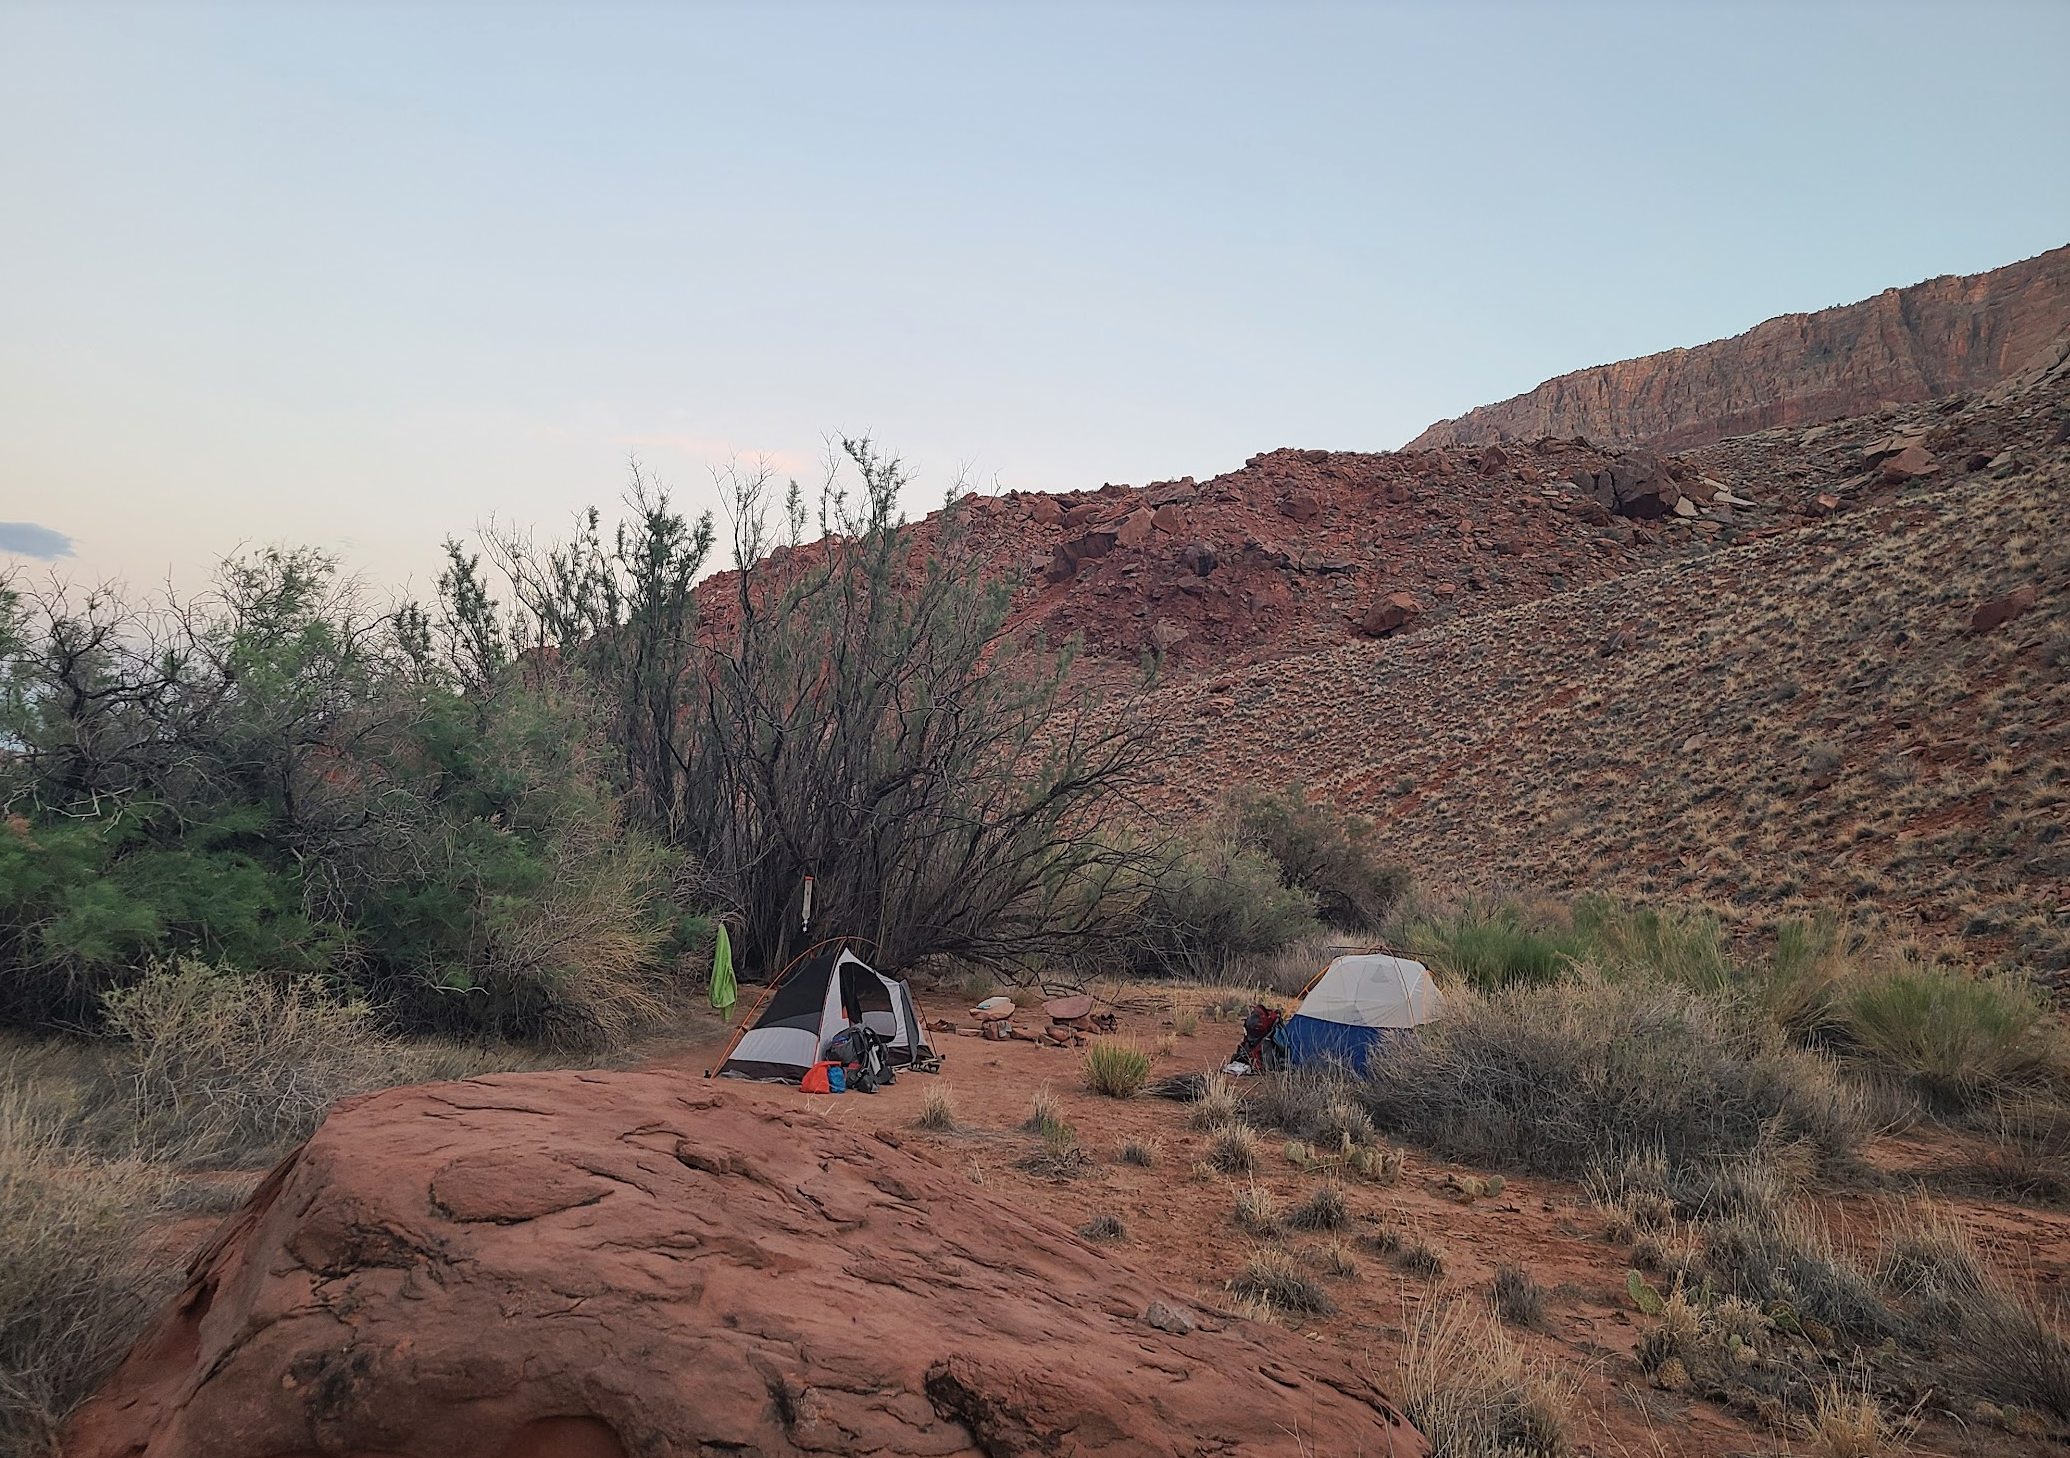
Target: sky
(360,276)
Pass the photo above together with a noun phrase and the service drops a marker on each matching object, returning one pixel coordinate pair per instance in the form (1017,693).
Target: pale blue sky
(362,274)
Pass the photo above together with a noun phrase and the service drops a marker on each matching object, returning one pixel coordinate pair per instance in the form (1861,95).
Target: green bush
(1210,906)
(1325,853)
(1674,945)
(279,776)
(1958,1040)
(1493,946)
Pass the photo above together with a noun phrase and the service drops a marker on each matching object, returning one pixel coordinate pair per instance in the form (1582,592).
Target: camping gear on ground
(821,994)
(1354,1004)
(725,991)
(824,1078)
(1262,1049)
(860,1053)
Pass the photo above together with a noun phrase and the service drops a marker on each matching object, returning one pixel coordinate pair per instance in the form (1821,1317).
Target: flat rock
(583,1265)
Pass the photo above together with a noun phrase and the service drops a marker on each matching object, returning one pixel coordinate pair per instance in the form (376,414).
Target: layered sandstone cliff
(1942,337)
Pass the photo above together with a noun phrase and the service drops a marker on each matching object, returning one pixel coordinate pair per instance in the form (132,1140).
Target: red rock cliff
(1942,337)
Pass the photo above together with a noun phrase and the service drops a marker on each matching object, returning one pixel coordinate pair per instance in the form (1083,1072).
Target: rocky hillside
(1304,550)
(1946,336)
(1872,709)
(1789,669)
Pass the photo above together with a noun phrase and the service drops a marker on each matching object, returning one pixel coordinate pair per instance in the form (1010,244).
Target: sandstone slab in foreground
(594,1265)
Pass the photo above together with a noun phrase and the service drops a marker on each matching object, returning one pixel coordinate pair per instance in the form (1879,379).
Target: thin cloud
(26,539)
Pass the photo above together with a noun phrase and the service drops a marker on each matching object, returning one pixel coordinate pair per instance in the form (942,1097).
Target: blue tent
(1357,1001)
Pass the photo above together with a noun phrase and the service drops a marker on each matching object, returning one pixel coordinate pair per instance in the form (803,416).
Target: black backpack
(860,1053)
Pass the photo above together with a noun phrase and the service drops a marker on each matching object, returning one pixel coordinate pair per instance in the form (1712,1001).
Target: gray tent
(812,1000)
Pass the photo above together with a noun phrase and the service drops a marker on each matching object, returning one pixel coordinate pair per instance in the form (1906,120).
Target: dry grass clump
(1323,1210)
(75,1288)
(1383,1239)
(225,1066)
(1044,1114)
(1270,1278)
(1850,1423)
(1114,1068)
(1473,1394)
(2000,1339)
(1104,1227)
(1317,1107)
(1142,1153)
(1257,1212)
(937,1114)
(1517,1297)
(1421,1259)
(1234,1150)
(1216,1105)
(1331,1258)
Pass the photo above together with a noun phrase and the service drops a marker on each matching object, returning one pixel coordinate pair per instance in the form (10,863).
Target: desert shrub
(1800,985)
(1142,1153)
(1323,852)
(1271,1279)
(1318,1106)
(224,1065)
(1114,1068)
(1493,946)
(1473,1394)
(1958,1040)
(1210,906)
(1553,1078)
(76,1282)
(863,704)
(1790,1261)
(1517,1297)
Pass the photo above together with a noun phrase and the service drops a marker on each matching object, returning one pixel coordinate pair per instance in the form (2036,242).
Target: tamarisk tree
(858,708)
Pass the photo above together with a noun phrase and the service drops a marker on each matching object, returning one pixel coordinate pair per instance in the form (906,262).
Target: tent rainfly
(1354,1003)
(812,1000)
